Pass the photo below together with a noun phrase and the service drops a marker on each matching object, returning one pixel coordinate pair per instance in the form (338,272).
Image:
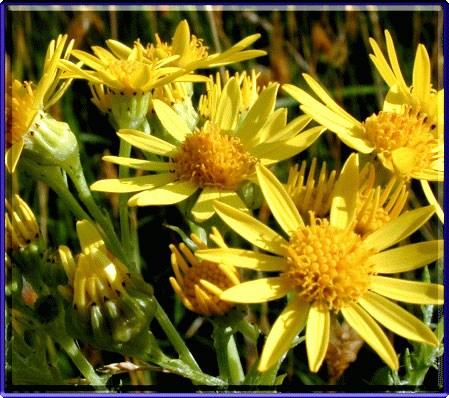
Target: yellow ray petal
(148,143)
(89,236)
(294,127)
(346,188)
(274,124)
(251,229)
(173,123)
(88,59)
(421,75)
(168,194)
(288,324)
(407,258)
(394,61)
(395,318)
(395,100)
(132,184)
(228,106)
(371,332)
(381,64)
(432,199)
(244,259)
(181,38)
(258,291)
(12,156)
(408,291)
(276,152)
(404,160)
(317,335)
(118,49)
(399,228)
(241,56)
(279,201)
(139,164)
(258,114)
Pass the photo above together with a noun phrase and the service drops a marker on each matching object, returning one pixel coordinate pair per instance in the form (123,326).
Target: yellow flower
(20,225)
(420,96)
(375,206)
(402,140)
(329,267)
(215,158)
(199,285)
(25,105)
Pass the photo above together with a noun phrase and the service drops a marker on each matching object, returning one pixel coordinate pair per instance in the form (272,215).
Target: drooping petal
(173,123)
(432,199)
(397,319)
(408,291)
(132,184)
(399,228)
(343,207)
(140,164)
(317,335)
(148,143)
(251,229)
(228,106)
(12,156)
(279,201)
(244,259)
(168,194)
(288,324)
(371,332)
(407,258)
(258,291)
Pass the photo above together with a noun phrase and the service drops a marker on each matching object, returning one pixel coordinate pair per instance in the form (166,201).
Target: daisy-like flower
(329,267)
(27,123)
(115,304)
(215,158)
(200,284)
(20,225)
(420,96)
(375,206)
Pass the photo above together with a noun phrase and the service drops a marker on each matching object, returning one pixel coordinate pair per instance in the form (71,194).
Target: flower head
(25,103)
(420,96)
(20,225)
(401,139)
(105,296)
(200,284)
(215,158)
(330,267)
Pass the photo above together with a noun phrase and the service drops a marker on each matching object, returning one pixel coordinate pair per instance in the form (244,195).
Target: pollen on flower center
(209,158)
(409,129)
(329,264)
(122,69)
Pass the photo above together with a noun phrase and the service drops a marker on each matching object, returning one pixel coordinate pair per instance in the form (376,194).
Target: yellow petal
(371,332)
(12,156)
(288,324)
(404,160)
(258,291)
(118,49)
(276,152)
(251,229)
(274,124)
(244,259)
(395,318)
(407,258)
(394,61)
(399,228)
(228,106)
(140,77)
(408,291)
(139,164)
(432,199)
(148,143)
(317,335)
(88,59)
(181,39)
(241,56)
(279,201)
(89,236)
(421,75)
(294,127)
(173,123)
(395,100)
(131,184)
(344,200)
(381,64)
(168,194)
(258,114)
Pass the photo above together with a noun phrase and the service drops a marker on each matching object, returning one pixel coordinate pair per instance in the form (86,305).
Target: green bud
(129,111)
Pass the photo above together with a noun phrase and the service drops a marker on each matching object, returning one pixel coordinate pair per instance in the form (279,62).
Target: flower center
(122,70)
(328,264)
(409,129)
(19,113)
(210,158)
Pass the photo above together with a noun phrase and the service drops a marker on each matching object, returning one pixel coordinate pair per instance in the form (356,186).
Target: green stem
(83,365)
(175,338)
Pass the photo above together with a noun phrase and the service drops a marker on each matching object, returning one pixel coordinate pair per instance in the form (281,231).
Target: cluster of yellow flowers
(334,251)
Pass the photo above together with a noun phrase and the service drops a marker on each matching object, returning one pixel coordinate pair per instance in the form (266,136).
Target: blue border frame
(445,7)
